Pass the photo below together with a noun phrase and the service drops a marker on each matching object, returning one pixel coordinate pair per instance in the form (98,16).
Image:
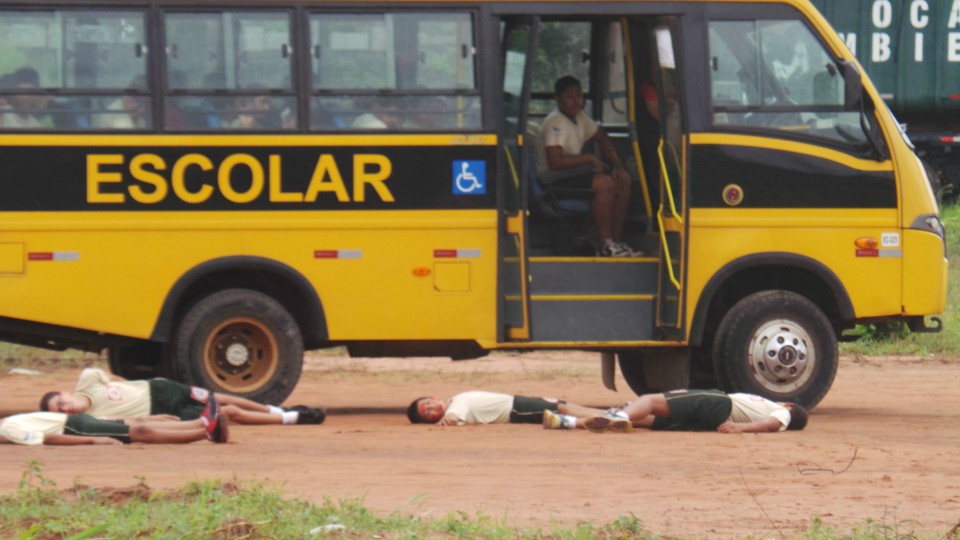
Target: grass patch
(231,510)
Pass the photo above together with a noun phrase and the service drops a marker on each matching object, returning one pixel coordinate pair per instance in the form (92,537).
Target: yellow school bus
(206,189)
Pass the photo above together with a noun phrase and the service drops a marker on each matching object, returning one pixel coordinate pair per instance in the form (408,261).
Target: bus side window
(397,71)
(242,80)
(93,54)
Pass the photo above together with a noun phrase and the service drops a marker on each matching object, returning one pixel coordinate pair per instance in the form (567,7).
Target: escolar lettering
(239,178)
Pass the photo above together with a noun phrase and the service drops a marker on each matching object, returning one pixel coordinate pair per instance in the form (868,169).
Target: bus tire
(779,345)
(240,342)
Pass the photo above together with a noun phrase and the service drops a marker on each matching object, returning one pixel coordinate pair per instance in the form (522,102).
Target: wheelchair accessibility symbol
(469,177)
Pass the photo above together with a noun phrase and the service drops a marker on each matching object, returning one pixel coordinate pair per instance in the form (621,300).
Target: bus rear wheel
(240,342)
(779,345)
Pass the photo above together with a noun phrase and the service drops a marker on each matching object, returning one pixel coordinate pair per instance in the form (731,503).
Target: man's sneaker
(308,415)
(552,420)
(617,249)
(613,424)
(211,411)
(630,251)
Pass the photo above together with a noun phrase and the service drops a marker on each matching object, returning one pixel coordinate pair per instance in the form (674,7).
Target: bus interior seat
(555,200)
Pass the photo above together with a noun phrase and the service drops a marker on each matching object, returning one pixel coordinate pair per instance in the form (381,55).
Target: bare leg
(242,403)
(646,408)
(620,207)
(579,411)
(164,424)
(602,207)
(244,416)
(155,434)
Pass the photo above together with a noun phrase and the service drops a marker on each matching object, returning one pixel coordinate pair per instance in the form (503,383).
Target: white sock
(290,417)
(273,409)
(569,422)
(622,414)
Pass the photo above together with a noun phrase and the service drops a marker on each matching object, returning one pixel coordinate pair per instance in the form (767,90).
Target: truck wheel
(779,345)
(240,342)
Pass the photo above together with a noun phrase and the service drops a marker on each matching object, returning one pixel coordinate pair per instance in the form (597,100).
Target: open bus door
(670,215)
(519,43)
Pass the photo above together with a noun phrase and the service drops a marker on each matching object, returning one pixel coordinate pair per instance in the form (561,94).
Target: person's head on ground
(64,402)
(425,410)
(568,93)
(798,416)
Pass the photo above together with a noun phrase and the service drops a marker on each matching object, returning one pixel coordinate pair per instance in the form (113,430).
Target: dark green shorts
(86,425)
(529,410)
(178,399)
(694,410)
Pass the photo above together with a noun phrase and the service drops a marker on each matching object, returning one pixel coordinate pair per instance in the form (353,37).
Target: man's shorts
(178,399)
(529,410)
(694,410)
(579,177)
(86,425)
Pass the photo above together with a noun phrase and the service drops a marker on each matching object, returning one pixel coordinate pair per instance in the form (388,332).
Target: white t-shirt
(479,407)
(571,135)
(29,428)
(750,408)
(368,121)
(113,399)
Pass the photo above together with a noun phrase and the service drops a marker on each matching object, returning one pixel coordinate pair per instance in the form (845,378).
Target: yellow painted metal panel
(451,277)
(924,284)
(11,258)
(719,237)
(125,265)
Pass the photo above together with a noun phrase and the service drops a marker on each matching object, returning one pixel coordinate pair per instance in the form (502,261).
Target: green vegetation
(216,510)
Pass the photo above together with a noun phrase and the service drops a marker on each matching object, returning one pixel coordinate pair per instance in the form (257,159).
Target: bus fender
(757,261)
(244,271)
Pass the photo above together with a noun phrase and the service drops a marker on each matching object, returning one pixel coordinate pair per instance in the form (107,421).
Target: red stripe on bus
(445,253)
(40,256)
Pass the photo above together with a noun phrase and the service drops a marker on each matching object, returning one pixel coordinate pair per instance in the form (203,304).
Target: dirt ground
(884,444)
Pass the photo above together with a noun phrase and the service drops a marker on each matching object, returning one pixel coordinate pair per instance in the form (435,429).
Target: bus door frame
(517,156)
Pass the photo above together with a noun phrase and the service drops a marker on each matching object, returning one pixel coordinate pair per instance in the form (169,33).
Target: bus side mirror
(852,86)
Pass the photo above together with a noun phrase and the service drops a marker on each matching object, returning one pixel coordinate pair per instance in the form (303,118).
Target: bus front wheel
(779,345)
(240,342)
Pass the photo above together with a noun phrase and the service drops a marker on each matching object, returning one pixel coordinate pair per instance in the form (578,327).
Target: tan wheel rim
(241,355)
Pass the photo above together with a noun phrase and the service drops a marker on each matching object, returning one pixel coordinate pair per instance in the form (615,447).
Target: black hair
(798,417)
(413,412)
(26,76)
(45,400)
(565,82)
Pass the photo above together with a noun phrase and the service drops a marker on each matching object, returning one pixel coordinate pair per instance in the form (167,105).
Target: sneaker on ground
(307,415)
(212,411)
(602,424)
(613,249)
(552,420)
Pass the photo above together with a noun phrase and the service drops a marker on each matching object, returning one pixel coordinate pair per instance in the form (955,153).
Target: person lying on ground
(97,394)
(480,407)
(693,410)
(57,428)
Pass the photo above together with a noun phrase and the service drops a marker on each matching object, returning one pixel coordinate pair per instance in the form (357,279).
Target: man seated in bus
(383,115)
(559,159)
(25,111)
